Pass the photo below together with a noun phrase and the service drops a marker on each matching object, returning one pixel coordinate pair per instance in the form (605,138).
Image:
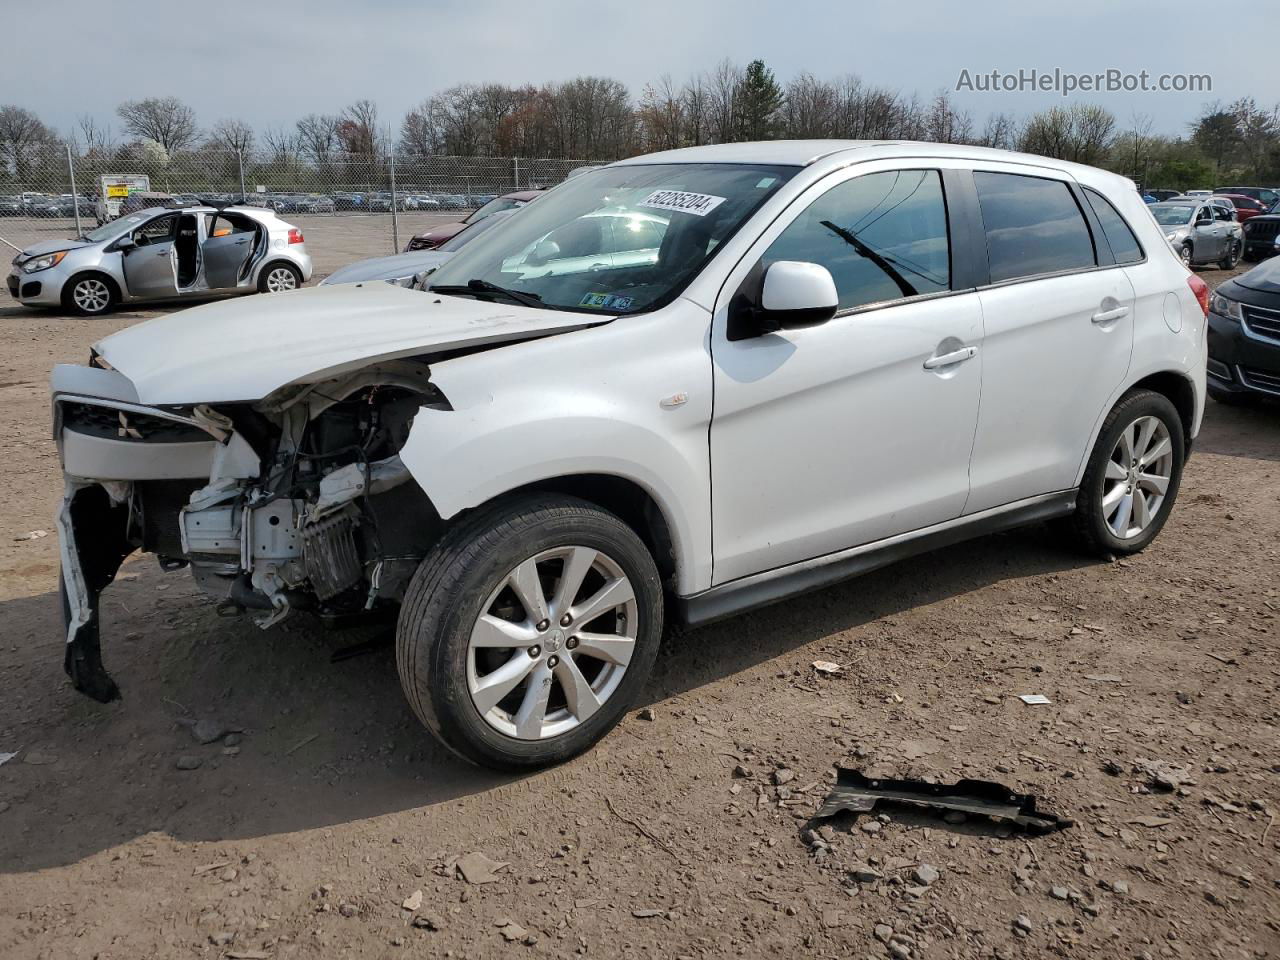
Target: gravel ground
(324,822)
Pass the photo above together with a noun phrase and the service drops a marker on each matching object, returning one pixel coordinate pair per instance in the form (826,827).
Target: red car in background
(1246,207)
(430,239)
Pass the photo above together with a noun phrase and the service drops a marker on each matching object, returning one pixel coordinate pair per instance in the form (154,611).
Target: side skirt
(761,589)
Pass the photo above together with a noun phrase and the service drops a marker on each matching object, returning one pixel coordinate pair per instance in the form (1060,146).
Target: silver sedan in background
(411,269)
(1201,230)
(163,253)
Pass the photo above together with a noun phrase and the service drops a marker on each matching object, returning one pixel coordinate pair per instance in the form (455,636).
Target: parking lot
(684,832)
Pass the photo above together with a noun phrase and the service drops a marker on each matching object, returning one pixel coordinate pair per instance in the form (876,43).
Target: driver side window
(883,236)
(156,231)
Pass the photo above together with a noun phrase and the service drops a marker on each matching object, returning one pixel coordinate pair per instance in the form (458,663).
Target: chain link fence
(51,193)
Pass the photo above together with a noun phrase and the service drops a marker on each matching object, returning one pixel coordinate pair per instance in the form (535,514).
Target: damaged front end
(295,502)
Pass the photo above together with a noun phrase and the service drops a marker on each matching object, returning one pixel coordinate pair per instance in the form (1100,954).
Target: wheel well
(626,500)
(104,277)
(1180,393)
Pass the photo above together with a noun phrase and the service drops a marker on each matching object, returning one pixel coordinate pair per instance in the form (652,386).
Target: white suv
(676,388)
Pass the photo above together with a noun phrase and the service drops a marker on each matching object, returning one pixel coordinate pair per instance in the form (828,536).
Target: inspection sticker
(606,301)
(699,204)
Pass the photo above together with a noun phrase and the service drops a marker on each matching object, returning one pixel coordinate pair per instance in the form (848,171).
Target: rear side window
(1124,245)
(883,236)
(1033,225)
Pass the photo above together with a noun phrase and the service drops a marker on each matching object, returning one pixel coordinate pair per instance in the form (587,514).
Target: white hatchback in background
(679,386)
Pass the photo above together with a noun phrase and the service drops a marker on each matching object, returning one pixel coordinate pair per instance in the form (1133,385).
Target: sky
(272,61)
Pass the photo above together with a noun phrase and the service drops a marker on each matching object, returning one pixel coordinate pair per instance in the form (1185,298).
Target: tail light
(1201,290)
(295,236)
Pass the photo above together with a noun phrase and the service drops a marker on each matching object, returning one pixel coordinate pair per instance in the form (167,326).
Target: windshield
(497,205)
(115,228)
(620,240)
(1172,214)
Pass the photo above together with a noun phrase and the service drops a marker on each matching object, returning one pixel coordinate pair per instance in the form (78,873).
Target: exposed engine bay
(296,502)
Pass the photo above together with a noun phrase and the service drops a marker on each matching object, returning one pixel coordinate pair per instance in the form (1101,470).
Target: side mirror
(797,294)
(125,244)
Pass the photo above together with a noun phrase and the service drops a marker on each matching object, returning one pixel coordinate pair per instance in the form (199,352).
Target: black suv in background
(1244,336)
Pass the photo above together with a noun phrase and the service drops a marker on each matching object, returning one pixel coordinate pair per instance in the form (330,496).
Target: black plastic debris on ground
(859,794)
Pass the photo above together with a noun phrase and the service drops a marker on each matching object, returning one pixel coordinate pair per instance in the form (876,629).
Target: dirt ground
(325,809)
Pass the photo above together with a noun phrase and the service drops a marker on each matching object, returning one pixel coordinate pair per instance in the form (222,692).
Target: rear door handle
(1110,316)
(947,359)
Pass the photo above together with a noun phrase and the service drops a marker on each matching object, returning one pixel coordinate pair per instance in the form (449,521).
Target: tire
(1185,253)
(1231,257)
(1093,526)
(272,279)
(470,574)
(90,294)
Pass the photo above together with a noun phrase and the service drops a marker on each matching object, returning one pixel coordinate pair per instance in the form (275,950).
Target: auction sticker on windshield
(699,204)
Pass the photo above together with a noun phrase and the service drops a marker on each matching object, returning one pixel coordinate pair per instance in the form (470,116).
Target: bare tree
(234,135)
(660,116)
(318,137)
(163,120)
(811,106)
(358,128)
(723,86)
(21,134)
(281,145)
(1000,131)
(94,139)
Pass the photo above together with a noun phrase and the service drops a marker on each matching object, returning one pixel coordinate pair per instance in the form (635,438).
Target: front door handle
(1110,316)
(947,359)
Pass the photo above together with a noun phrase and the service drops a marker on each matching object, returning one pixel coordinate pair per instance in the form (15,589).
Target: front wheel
(278,277)
(90,295)
(1133,475)
(529,630)
(1231,257)
(1184,252)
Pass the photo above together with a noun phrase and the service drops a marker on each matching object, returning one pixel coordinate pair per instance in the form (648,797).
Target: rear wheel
(90,294)
(529,630)
(278,277)
(1133,475)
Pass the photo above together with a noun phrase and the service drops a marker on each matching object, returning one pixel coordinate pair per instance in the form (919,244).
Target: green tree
(759,103)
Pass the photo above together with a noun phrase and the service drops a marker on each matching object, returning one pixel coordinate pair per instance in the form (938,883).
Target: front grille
(1257,229)
(110,423)
(1262,322)
(1260,379)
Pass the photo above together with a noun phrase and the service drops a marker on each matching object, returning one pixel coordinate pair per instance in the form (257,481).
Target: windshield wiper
(476,285)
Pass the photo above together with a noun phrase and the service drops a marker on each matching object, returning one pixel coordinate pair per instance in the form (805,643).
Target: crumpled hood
(243,349)
(50,246)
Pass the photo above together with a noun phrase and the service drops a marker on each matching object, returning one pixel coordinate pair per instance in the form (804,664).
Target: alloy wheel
(552,643)
(91,295)
(1185,253)
(1137,477)
(281,278)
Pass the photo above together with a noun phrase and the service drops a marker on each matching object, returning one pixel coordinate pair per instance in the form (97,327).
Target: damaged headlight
(36,264)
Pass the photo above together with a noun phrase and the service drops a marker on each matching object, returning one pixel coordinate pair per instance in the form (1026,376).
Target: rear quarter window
(1124,245)
(1033,225)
